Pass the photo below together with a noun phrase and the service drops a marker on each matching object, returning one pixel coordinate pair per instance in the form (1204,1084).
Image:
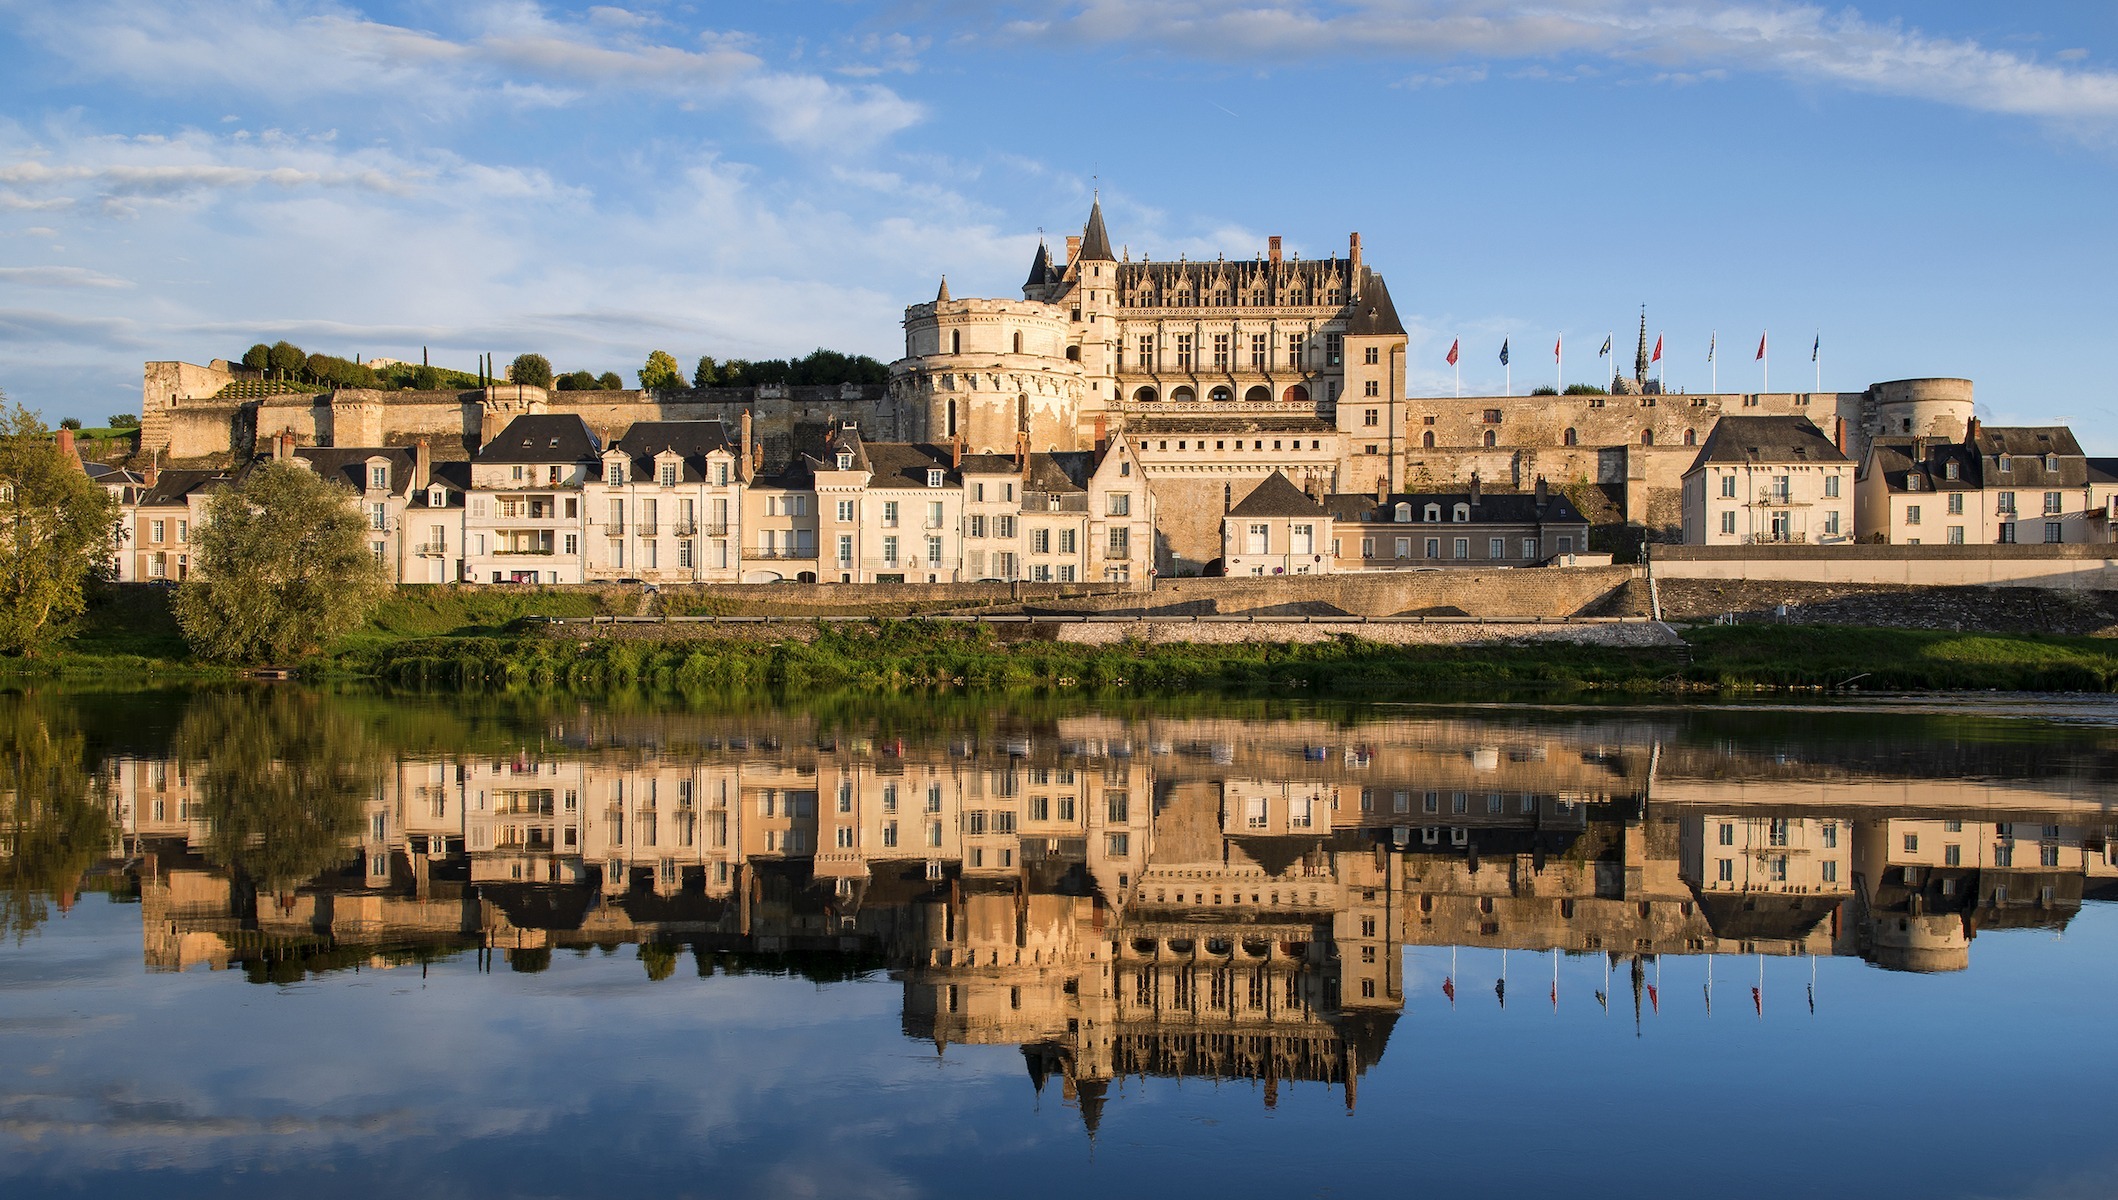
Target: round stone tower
(988,370)
(1919,408)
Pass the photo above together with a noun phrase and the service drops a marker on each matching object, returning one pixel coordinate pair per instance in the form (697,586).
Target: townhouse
(1474,528)
(1999,485)
(1768,481)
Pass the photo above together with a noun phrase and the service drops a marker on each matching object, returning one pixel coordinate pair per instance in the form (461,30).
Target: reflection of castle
(1198,897)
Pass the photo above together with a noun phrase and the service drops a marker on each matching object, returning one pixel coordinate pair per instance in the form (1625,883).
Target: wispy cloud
(60,277)
(1680,41)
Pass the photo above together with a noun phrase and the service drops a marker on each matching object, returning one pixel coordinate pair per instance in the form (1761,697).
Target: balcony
(647,528)
(1779,498)
(514,552)
(777,553)
(1775,539)
(431,550)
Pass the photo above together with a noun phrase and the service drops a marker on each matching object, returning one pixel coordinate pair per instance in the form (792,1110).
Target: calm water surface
(277,942)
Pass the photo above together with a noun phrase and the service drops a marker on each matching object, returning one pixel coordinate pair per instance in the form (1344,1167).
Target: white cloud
(1685,41)
(60,277)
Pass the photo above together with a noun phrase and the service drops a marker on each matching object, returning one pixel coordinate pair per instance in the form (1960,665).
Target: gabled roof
(1059,471)
(1373,314)
(1922,465)
(1508,508)
(988,464)
(1277,497)
(349,464)
(455,477)
(543,438)
(1095,240)
(2025,448)
(172,486)
(691,441)
(1780,439)
(2026,439)
(905,464)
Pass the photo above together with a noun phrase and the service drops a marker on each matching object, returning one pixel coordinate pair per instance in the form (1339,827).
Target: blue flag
(1606,348)
(1503,352)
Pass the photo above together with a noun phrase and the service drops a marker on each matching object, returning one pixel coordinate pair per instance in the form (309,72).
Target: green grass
(1741,656)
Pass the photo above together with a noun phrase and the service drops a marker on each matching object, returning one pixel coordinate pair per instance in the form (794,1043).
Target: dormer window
(615,473)
(1433,512)
(1950,471)
(933,477)
(669,474)
(1404,513)
(1463,512)
(2051,462)
(438,498)
(1911,483)
(845,461)
(379,478)
(2007,465)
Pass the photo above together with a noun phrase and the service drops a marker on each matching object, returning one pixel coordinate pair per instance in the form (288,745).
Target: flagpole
(1765,357)
(1713,343)
(1664,381)
(1559,364)
(1816,355)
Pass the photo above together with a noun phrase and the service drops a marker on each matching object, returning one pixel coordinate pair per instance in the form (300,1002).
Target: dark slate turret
(1095,240)
(1040,267)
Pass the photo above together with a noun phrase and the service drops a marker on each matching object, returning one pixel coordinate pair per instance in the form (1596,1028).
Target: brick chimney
(1073,248)
(1971,432)
(68,451)
(422,465)
(1353,252)
(1544,492)
(743,466)
(1022,453)
(1474,487)
(1382,492)
(154,467)
(956,450)
(1102,436)
(1838,435)
(1272,249)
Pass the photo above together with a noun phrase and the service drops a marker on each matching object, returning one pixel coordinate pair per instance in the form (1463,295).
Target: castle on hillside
(1219,373)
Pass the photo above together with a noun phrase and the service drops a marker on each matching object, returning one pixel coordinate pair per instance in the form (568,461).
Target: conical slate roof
(1095,241)
(1373,313)
(1040,267)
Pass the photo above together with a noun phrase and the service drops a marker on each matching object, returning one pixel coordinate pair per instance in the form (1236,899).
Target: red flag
(1555,347)
(1452,351)
(1657,355)
(1757,1001)
(1448,988)
(1761,347)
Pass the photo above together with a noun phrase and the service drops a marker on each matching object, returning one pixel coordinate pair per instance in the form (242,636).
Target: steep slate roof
(349,465)
(1095,240)
(543,438)
(988,464)
(1766,440)
(2025,447)
(1040,267)
(172,486)
(1277,497)
(691,440)
(1901,459)
(1060,471)
(1510,508)
(454,476)
(1372,312)
(905,464)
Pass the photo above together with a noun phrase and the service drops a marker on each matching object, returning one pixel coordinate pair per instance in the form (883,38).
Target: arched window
(952,418)
(955,341)
(1018,343)
(1572,438)
(1427,439)
(1691,437)
(1145,395)
(1259,394)
(1404,512)
(1295,394)
(1647,437)
(1221,394)
(1183,395)
(1073,354)
(1491,440)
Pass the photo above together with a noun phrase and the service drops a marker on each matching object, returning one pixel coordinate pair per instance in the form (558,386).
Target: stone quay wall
(2091,567)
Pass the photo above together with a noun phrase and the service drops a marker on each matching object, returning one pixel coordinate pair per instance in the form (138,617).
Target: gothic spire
(943,295)
(1640,358)
(1095,241)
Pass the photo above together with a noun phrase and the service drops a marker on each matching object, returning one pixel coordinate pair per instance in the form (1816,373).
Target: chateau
(1215,374)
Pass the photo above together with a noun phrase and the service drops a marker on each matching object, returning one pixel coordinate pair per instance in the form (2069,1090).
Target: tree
(609,381)
(282,567)
(286,357)
(57,529)
(532,369)
(708,373)
(69,422)
(54,818)
(661,372)
(258,357)
(124,421)
(577,381)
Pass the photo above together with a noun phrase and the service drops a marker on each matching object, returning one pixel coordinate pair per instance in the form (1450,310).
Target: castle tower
(988,371)
(1094,274)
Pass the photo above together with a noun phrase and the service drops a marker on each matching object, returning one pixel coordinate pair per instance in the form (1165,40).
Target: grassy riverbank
(447,639)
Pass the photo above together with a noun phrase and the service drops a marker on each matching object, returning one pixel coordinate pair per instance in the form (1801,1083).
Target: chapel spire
(1640,357)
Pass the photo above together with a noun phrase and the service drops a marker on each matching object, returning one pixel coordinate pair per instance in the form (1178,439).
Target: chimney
(1073,248)
(1272,249)
(1474,487)
(154,466)
(1102,435)
(956,450)
(1971,433)
(422,465)
(1353,251)
(68,451)
(1544,493)
(1022,453)
(742,453)
(1838,435)
(1382,492)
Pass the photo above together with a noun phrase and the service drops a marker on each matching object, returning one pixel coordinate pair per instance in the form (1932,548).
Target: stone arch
(1221,393)
(1018,341)
(1691,437)
(1073,354)
(1258,394)
(956,341)
(1647,437)
(1295,394)
(1426,439)
(952,419)
(1182,395)
(1491,439)
(1572,438)
(1146,395)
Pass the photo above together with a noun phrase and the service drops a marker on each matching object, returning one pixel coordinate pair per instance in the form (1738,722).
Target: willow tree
(53,818)
(281,567)
(57,530)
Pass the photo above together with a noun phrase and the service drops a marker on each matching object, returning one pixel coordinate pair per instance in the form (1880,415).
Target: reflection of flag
(1761,347)
(1657,355)
(1452,351)
(1757,1001)
(1503,352)
(1606,348)
(1448,988)
(1555,995)
(1654,1001)
(1500,991)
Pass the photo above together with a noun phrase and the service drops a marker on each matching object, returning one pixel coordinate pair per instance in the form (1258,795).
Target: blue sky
(1923,186)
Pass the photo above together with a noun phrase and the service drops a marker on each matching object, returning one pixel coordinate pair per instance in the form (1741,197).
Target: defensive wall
(2091,567)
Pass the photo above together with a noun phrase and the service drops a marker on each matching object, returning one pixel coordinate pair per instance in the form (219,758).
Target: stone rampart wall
(2076,566)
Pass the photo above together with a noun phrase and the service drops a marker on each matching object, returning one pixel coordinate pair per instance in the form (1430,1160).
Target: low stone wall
(1528,592)
(1980,609)
(1644,634)
(2092,567)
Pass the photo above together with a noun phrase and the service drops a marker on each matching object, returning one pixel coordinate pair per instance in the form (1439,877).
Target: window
(1492,416)
(1831,522)
(1912,514)
(934,551)
(1728,486)
(889,514)
(1828,870)
(845,510)
(2007,465)
(1463,548)
(1121,504)
(1572,438)
(1371,388)
(2052,533)
(934,511)
(1433,547)
(1912,843)
(1497,548)
(934,474)
(1367,547)
(889,551)
(2004,503)
(1728,522)
(1220,350)
(667,474)
(1066,541)
(1259,539)
(1183,352)
(1728,833)
(1727,872)
(845,549)
(2053,502)
(1120,845)
(1956,535)
(1371,416)
(1529,547)
(1952,856)
(378,477)
(1831,487)
(1040,541)
(1371,355)
(845,460)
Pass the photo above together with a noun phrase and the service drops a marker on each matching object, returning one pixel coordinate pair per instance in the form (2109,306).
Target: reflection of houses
(1930,886)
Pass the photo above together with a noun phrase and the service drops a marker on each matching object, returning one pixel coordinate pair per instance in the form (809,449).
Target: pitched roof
(2025,447)
(905,464)
(1373,314)
(2026,439)
(543,438)
(172,486)
(1507,508)
(1095,240)
(1277,497)
(1780,439)
(1040,267)
(349,464)
(691,441)
(1922,465)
